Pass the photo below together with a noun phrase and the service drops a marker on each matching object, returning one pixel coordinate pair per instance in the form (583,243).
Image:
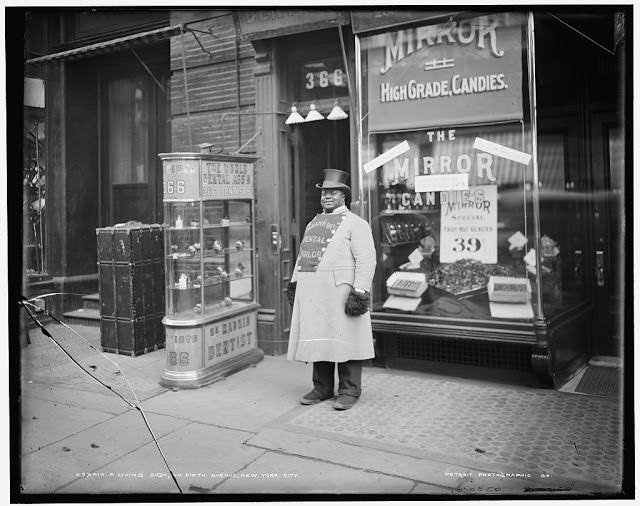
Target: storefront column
(269,200)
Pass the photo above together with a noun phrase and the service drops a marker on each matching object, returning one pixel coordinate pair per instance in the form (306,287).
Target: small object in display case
(517,243)
(428,244)
(211,306)
(506,289)
(402,303)
(464,278)
(407,284)
(549,247)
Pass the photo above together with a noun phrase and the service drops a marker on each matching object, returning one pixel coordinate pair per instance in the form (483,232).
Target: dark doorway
(133,130)
(319,145)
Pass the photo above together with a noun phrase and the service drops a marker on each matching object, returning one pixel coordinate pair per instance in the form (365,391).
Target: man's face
(331,199)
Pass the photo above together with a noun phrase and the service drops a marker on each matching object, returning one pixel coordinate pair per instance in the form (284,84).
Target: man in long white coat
(329,290)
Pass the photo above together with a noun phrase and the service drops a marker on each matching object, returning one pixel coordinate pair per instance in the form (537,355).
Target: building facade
(486,149)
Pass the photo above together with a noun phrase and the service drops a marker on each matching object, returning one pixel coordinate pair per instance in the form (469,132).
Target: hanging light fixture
(337,112)
(295,117)
(313,114)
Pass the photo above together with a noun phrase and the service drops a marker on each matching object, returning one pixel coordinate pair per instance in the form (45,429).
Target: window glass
(449,200)
(34,190)
(128,131)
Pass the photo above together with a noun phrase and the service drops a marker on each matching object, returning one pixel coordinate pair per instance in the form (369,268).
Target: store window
(34,177)
(128,131)
(448,178)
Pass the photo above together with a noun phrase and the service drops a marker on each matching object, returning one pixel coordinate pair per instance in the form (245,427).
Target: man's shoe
(313,397)
(345,402)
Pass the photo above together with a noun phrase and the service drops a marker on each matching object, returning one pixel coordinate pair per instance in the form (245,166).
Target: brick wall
(219,83)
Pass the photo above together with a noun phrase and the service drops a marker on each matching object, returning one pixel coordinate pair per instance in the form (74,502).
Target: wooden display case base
(204,377)
(203,352)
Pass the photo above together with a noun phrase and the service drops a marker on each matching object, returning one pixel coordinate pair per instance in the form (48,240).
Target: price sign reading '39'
(469,225)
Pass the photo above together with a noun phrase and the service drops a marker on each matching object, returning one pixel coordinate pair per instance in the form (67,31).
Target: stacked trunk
(131,272)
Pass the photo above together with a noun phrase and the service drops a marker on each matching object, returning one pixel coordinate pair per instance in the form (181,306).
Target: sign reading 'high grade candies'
(458,73)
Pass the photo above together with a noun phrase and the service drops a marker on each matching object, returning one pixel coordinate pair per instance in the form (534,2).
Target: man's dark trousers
(349,378)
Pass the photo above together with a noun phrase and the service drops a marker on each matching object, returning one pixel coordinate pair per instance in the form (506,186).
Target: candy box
(508,289)
(407,284)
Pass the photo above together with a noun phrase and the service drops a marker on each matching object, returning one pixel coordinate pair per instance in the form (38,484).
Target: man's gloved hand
(357,303)
(291,292)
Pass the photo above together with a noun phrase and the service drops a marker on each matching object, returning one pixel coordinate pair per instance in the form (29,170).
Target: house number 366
(324,79)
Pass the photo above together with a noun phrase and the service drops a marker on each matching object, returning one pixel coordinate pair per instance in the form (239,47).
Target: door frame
(599,120)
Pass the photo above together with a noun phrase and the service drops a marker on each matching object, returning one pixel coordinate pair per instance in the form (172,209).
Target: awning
(108,46)
(377,20)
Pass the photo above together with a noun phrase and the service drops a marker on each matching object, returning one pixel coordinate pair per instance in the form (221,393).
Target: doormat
(599,380)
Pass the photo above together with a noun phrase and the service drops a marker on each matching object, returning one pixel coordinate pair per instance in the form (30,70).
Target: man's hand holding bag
(357,303)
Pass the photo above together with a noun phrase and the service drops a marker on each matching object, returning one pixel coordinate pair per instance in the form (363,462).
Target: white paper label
(517,240)
(469,225)
(442,182)
(530,257)
(502,151)
(415,257)
(378,161)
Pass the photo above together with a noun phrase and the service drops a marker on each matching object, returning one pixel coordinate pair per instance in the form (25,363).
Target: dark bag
(291,292)
(357,303)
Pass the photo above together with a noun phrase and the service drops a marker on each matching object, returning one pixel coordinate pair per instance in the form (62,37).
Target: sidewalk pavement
(411,433)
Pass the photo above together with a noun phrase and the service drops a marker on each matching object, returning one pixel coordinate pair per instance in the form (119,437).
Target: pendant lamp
(337,112)
(313,114)
(295,117)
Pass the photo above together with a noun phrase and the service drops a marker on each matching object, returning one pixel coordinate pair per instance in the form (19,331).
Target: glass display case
(209,265)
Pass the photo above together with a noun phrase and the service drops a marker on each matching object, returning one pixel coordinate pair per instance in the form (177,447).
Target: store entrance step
(91,301)
(90,317)
(605,361)
(601,380)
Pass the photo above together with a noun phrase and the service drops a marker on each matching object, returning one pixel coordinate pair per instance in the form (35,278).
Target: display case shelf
(212,283)
(399,243)
(211,226)
(391,212)
(209,254)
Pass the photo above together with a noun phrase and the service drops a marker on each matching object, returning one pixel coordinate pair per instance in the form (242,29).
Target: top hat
(335,179)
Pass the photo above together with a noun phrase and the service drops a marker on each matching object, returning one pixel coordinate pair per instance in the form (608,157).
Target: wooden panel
(91,24)
(81,183)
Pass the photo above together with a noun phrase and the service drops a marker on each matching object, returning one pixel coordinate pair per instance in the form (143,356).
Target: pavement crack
(236,472)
